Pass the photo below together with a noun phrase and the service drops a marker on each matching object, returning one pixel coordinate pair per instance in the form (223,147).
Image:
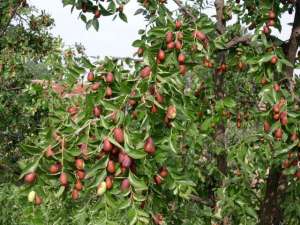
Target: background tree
(25,44)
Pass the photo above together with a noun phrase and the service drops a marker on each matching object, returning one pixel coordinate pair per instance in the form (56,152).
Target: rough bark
(270,212)
(219,90)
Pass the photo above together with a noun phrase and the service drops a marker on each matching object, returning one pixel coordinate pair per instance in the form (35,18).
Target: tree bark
(219,90)
(270,211)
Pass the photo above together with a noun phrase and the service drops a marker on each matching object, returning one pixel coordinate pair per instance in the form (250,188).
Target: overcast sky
(114,38)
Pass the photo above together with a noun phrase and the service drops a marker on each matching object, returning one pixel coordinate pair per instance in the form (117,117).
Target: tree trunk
(219,90)
(270,211)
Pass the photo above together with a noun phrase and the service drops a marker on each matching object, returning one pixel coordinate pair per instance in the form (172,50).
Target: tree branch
(293,45)
(219,4)
(185,10)
(239,40)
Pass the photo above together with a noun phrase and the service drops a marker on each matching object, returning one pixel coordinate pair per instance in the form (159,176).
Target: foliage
(202,130)
(24,51)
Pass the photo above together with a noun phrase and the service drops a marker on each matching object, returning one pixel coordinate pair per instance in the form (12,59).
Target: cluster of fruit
(115,154)
(280,114)
(174,41)
(270,23)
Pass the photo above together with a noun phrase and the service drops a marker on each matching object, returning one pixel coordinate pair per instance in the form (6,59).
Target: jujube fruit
(274,60)
(97,111)
(178,45)
(276,87)
(110,166)
(163,172)
(109,183)
(294,136)
(125,185)
(38,200)
(272,14)
(30,178)
(149,146)
(53,169)
(159,98)
(266,30)
(75,194)
(157,179)
(127,161)
(79,164)
(107,146)
(108,92)
(145,72)
(153,109)
(181,58)
(182,69)
(171,112)
(49,152)
(171,45)
(179,35)
(95,86)
(72,110)
(161,55)
(101,188)
(97,13)
(199,35)
(278,134)
(178,24)
(63,179)
(90,76)
(80,174)
(119,135)
(169,36)
(109,77)
(78,185)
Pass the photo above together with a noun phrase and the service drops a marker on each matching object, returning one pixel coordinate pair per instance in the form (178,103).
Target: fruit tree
(201,127)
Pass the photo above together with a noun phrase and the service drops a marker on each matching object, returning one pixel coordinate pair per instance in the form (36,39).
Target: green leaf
(136,154)
(68,2)
(30,167)
(105,12)
(60,191)
(229,102)
(83,18)
(96,24)
(89,24)
(137,183)
(286,62)
(123,17)
(266,58)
